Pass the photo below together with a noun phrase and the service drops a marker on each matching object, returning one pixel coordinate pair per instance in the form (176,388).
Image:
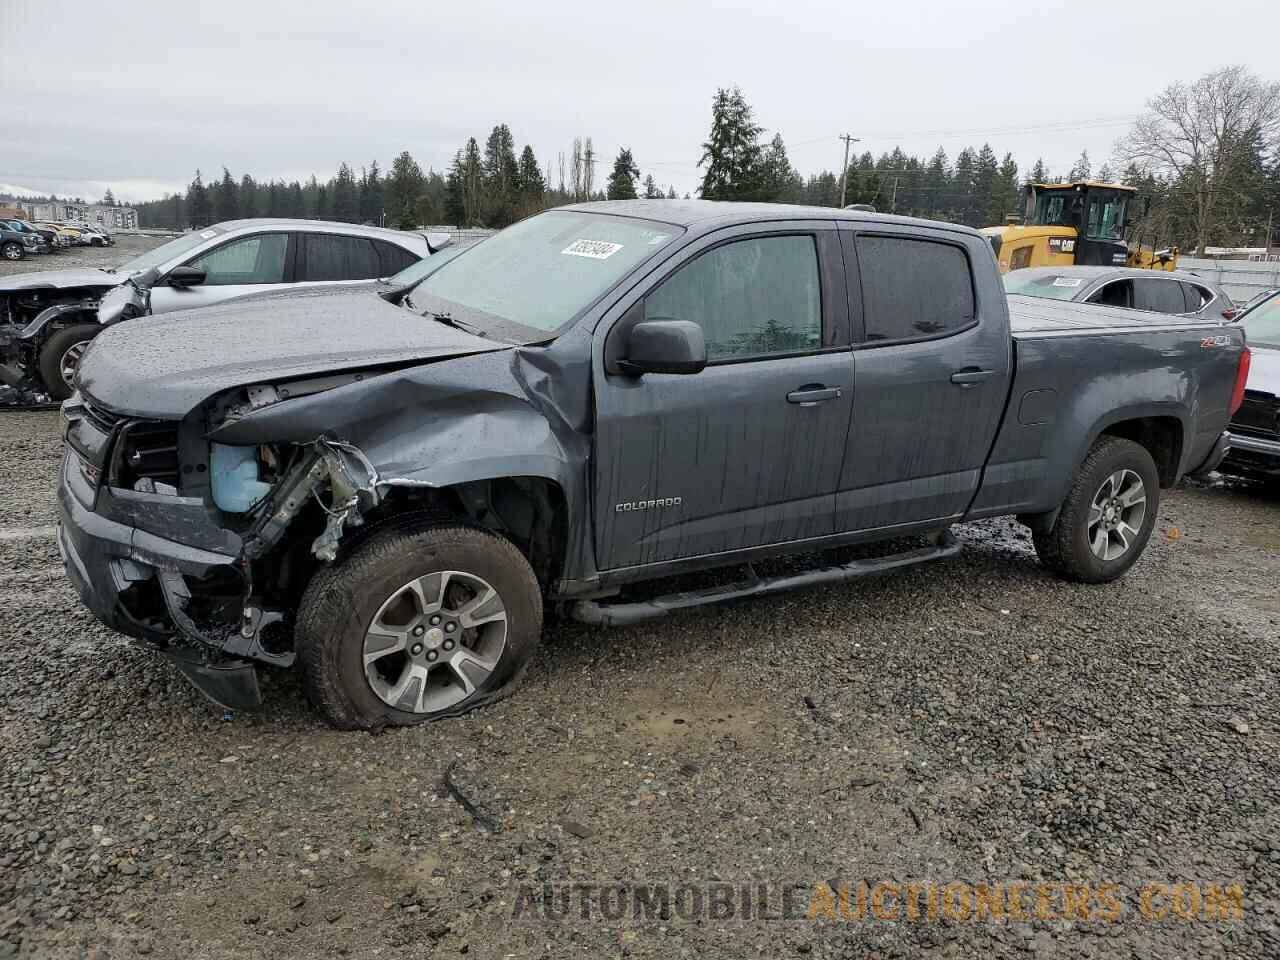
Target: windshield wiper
(448,320)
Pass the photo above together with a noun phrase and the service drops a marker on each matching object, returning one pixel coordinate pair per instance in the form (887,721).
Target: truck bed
(1038,316)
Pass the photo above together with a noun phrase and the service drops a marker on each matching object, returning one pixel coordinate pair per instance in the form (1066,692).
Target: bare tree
(575,168)
(1196,135)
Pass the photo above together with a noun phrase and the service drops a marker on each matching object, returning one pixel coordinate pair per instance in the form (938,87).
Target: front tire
(59,358)
(11,250)
(417,625)
(1107,518)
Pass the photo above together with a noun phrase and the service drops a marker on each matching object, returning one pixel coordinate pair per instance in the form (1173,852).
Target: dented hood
(68,279)
(164,366)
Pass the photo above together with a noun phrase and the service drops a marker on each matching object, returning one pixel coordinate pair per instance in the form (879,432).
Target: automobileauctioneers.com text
(884,900)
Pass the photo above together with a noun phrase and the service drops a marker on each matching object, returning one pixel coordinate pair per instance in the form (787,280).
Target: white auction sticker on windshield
(1067,281)
(593,249)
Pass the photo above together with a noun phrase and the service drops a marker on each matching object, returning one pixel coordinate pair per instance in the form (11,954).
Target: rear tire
(385,637)
(61,353)
(1107,517)
(11,250)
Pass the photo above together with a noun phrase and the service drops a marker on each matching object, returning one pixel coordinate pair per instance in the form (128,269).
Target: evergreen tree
(622,182)
(455,203)
(472,182)
(986,188)
(198,206)
(249,200)
(108,198)
(296,202)
(371,200)
(962,188)
(651,191)
(227,204)
(937,185)
(1039,173)
(501,171)
(346,199)
(404,184)
(1007,199)
(530,185)
(731,153)
(778,179)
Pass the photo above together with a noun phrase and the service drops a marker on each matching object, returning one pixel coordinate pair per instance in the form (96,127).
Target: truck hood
(62,280)
(1264,369)
(162,367)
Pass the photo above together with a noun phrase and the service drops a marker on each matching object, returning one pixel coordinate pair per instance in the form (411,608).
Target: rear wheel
(11,250)
(1108,515)
(418,625)
(59,358)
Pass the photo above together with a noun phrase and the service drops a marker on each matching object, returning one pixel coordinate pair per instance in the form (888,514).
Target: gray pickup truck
(389,488)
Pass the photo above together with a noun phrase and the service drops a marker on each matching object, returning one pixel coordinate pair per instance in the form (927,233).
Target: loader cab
(1095,212)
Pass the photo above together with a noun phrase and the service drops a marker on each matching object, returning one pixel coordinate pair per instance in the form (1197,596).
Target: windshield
(167,251)
(1051,286)
(540,273)
(1054,208)
(1262,323)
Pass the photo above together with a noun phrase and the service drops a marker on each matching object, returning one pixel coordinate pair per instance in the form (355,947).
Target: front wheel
(12,250)
(416,626)
(1108,515)
(59,358)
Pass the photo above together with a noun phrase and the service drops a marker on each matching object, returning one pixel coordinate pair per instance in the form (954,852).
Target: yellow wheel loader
(1079,223)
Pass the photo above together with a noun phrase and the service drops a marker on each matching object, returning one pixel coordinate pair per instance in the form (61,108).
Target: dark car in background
(46,240)
(1159,291)
(1254,449)
(16,244)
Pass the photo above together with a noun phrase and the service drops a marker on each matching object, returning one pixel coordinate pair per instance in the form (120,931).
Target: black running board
(605,613)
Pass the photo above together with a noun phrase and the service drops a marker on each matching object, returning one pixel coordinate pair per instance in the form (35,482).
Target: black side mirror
(664,346)
(183,277)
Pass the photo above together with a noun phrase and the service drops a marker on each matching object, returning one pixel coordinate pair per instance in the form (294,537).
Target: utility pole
(893,207)
(1267,256)
(844,170)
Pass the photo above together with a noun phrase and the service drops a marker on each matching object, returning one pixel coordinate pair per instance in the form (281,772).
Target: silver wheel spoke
(486,607)
(428,591)
(1099,543)
(470,668)
(1133,496)
(1126,534)
(1095,516)
(381,641)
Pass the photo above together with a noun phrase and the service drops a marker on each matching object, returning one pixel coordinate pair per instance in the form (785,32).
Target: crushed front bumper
(108,561)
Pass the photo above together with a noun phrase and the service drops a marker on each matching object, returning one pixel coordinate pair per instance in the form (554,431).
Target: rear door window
(1162,295)
(1117,293)
(914,288)
(257,259)
(331,256)
(393,258)
(1197,296)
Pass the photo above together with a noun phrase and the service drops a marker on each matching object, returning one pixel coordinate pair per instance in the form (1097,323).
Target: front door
(930,376)
(239,267)
(747,452)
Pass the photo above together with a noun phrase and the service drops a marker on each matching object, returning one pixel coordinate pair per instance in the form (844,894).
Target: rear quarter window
(914,288)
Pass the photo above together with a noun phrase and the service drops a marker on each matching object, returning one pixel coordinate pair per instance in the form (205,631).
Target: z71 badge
(1208,343)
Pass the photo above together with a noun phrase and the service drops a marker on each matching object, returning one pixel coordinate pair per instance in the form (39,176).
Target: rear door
(746,453)
(243,265)
(931,364)
(334,259)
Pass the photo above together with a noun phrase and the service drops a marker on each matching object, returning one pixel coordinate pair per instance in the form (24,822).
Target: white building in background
(94,214)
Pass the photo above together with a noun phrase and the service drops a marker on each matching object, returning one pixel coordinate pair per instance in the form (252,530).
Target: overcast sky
(136,94)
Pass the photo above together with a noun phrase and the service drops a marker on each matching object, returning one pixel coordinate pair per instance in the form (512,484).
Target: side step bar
(618,614)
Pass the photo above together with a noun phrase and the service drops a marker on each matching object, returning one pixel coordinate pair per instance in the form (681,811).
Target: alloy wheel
(1116,515)
(435,641)
(70,361)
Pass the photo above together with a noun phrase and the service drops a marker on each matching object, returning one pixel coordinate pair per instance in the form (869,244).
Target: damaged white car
(48,318)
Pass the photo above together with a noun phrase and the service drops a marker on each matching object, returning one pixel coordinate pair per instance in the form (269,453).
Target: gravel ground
(974,720)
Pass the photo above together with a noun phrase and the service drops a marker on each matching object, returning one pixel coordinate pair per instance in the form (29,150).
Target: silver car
(1159,291)
(47,319)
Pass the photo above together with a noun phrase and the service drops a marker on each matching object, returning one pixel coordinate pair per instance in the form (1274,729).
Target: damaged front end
(199,547)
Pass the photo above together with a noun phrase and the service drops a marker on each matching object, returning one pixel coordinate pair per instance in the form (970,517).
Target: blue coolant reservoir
(233,475)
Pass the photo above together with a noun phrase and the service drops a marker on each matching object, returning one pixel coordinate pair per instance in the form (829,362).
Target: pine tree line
(493,185)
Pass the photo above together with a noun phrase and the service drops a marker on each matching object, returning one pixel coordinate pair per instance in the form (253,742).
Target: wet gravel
(126,247)
(974,720)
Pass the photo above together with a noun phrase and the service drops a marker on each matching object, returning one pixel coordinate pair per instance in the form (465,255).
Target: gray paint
(901,447)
